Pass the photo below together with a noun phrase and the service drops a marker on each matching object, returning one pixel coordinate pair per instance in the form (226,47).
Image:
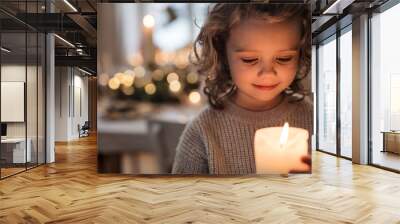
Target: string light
(139,72)
(150,89)
(175,86)
(172,77)
(158,75)
(128,80)
(194,97)
(128,90)
(119,76)
(114,83)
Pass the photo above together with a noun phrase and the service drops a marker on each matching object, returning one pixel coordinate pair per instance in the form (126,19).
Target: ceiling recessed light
(338,6)
(84,71)
(70,5)
(5,50)
(64,40)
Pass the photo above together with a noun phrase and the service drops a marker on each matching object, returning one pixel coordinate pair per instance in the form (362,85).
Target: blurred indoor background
(148,89)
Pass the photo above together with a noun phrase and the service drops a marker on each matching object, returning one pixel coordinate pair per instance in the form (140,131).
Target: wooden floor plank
(71,191)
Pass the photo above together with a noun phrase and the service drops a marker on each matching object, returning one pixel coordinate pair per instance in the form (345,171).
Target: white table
(19,149)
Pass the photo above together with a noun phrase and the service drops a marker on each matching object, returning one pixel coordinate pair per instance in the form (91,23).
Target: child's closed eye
(250,61)
(284,60)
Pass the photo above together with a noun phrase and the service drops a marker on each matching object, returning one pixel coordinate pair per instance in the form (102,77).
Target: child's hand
(306,160)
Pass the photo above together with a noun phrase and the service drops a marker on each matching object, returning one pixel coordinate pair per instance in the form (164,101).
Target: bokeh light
(172,77)
(175,86)
(139,72)
(192,78)
(150,89)
(103,79)
(194,97)
(128,90)
(114,83)
(158,75)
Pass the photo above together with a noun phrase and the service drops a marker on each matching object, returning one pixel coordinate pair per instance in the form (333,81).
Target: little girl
(254,56)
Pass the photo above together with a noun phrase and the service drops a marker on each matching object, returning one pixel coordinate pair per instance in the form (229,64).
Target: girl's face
(263,59)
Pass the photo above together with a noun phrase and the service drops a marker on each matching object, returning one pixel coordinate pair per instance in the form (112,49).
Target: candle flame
(148,21)
(284,134)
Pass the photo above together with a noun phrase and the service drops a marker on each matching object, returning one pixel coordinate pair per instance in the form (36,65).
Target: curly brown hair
(210,45)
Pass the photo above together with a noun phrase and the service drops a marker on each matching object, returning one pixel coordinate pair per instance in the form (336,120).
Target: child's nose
(267,69)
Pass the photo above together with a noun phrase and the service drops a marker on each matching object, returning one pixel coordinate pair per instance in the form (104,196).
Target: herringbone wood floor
(70,191)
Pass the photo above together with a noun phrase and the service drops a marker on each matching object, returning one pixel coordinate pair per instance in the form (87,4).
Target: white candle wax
(272,157)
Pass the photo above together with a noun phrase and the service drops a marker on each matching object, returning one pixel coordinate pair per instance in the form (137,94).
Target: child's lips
(265,87)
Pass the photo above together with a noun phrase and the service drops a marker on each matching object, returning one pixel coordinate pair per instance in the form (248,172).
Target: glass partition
(13,95)
(22,100)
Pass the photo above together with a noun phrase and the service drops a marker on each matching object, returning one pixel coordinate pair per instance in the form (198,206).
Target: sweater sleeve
(191,156)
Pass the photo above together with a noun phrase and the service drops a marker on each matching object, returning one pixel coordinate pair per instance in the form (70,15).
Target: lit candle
(278,150)
(148,45)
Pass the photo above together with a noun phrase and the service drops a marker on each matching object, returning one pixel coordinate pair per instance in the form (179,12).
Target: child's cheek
(287,69)
(240,68)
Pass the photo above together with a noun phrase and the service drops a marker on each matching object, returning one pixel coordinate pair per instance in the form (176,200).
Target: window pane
(346,94)
(385,89)
(327,97)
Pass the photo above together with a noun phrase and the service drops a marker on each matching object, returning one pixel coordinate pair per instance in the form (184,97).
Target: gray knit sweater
(222,141)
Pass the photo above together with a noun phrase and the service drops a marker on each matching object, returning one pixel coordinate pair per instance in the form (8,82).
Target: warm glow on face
(148,21)
(284,134)
(175,86)
(265,54)
(150,89)
(194,97)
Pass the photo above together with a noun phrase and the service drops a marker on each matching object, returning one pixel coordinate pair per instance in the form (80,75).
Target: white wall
(61,103)
(16,73)
(71,93)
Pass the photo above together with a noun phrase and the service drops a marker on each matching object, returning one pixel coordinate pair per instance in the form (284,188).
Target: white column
(360,90)
(314,91)
(50,99)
